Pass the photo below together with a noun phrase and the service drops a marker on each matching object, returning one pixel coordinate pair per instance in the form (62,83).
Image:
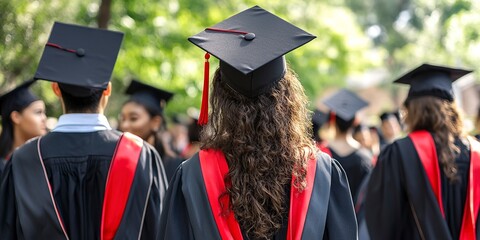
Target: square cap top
(152,97)
(79,56)
(250,46)
(16,99)
(432,80)
(345,104)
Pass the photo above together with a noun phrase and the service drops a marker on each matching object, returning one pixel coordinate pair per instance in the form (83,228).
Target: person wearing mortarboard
(356,160)
(426,185)
(82,180)
(258,175)
(319,121)
(390,127)
(23,117)
(142,115)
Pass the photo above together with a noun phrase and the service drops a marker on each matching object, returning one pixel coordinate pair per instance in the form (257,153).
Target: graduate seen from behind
(426,185)
(23,117)
(356,160)
(258,175)
(83,180)
(142,115)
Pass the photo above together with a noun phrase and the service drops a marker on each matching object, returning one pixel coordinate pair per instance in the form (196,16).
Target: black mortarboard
(250,46)
(17,99)
(432,80)
(80,58)
(345,104)
(386,115)
(152,97)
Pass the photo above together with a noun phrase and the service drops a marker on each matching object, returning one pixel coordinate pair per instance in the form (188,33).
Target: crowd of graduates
(252,163)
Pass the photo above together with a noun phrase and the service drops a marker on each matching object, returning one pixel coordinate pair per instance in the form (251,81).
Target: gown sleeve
(175,222)
(341,221)
(158,189)
(8,208)
(385,198)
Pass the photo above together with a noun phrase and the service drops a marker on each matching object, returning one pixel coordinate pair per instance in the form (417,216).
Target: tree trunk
(104,14)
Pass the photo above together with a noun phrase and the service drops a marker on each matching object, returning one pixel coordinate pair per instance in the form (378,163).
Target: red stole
(425,146)
(119,180)
(322,146)
(214,167)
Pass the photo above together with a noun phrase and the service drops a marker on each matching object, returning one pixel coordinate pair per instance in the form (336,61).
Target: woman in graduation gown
(356,160)
(426,185)
(258,175)
(23,117)
(142,115)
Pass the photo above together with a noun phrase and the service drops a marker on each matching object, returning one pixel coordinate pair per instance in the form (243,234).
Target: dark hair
(315,134)
(6,136)
(75,104)
(194,131)
(342,125)
(265,140)
(441,118)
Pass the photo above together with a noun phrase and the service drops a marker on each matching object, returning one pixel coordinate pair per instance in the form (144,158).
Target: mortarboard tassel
(332,118)
(203,118)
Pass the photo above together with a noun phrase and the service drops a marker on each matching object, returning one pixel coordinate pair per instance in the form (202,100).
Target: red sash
(214,167)
(322,146)
(425,146)
(119,180)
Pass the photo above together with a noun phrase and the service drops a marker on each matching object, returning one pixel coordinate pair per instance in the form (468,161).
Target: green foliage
(155,48)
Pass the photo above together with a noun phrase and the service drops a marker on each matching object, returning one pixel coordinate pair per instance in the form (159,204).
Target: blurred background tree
(353,37)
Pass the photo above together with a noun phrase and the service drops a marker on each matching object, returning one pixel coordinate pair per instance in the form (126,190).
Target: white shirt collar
(82,122)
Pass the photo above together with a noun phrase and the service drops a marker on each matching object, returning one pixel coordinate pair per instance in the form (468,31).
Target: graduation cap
(80,58)
(386,115)
(345,104)
(17,99)
(432,80)
(250,46)
(152,97)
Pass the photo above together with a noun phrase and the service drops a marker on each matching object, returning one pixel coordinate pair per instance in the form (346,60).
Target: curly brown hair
(265,140)
(443,119)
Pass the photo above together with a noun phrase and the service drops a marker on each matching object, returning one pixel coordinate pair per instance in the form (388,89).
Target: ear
(56,89)
(107,92)
(16,117)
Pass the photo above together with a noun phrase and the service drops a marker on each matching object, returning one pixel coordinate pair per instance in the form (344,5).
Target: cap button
(80,52)
(249,36)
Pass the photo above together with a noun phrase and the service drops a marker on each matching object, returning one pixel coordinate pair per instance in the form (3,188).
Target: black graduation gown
(399,185)
(187,213)
(3,162)
(357,165)
(78,182)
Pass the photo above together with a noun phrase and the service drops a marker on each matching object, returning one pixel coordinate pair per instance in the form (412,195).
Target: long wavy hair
(265,140)
(443,119)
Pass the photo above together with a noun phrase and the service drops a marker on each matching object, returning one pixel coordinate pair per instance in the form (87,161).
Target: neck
(18,139)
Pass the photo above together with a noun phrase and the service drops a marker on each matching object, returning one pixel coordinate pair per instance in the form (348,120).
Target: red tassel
(332,118)
(203,118)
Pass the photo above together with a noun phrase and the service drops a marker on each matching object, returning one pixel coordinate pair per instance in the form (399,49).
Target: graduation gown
(68,195)
(400,202)
(357,165)
(327,214)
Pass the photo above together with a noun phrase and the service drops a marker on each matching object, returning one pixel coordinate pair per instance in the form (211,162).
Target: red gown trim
(322,146)
(214,167)
(119,180)
(299,202)
(425,147)
(472,202)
